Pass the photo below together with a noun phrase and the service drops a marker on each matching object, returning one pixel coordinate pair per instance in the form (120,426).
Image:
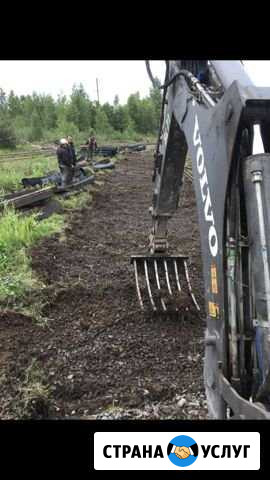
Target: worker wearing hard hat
(65,162)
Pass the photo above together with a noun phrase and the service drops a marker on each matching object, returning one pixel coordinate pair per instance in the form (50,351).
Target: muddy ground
(97,356)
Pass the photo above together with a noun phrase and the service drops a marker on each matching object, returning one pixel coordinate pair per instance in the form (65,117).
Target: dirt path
(98,356)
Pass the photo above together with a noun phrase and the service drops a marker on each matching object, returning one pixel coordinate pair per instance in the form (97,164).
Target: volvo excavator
(214,115)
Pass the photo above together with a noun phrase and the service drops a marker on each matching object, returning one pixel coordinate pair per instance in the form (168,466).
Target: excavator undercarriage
(213,113)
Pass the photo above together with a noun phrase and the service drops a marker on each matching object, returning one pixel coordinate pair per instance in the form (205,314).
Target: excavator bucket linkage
(163,283)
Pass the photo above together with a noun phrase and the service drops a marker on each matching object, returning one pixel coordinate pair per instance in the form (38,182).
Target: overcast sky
(54,77)
(121,77)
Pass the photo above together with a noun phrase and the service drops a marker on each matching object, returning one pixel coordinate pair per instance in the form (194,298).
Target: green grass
(17,234)
(76,201)
(13,171)
(19,287)
(33,399)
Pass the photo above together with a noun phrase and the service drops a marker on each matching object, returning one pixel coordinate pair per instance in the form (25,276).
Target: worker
(72,149)
(92,146)
(65,162)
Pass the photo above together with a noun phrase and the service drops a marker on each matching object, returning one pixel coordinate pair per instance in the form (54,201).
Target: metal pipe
(189,287)
(158,285)
(137,284)
(148,286)
(231,258)
(167,277)
(257,180)
(177,276)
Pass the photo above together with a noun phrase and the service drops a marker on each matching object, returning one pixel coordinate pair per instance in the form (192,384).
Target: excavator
(215,116)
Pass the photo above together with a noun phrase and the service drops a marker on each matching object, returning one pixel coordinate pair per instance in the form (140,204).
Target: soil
(97,355)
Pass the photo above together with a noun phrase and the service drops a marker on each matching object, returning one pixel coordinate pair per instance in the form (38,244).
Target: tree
(156,99)
(36,127)
(143,112)
(3,99)
(78,111)
(133,105)
(38,116)
(61,108)
(102,122)
(109,110)
(14,105)
(50,114)
(147,117)
(7,134)
(121,118)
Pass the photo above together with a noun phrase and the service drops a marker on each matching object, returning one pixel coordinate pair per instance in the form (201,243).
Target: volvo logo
(205,192)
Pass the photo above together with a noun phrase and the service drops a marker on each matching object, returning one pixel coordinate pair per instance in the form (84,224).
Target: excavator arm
(210,111)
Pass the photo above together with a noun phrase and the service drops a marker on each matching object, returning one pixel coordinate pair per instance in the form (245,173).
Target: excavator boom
(210,111)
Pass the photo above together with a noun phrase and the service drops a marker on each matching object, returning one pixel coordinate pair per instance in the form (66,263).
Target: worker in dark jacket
(72,149)
(92,146)
(65,162)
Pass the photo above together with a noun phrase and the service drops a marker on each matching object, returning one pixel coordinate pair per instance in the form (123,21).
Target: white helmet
(63,141)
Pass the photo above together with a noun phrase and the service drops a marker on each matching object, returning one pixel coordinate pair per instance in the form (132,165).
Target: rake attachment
(163,283)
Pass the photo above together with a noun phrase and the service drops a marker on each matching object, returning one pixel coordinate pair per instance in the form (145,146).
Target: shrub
(7,135)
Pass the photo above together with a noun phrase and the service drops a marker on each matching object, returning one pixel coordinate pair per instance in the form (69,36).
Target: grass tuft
(13,171)
(17,234)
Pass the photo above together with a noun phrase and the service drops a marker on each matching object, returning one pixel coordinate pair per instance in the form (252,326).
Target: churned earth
(96,355)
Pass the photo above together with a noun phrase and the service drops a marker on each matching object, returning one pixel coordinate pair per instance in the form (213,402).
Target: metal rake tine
(137,284)
(158,285)
(167,276)
(176,275)
(148,285)
(189,287)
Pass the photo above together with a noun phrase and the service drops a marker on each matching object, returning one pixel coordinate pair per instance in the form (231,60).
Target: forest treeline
(39,117)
